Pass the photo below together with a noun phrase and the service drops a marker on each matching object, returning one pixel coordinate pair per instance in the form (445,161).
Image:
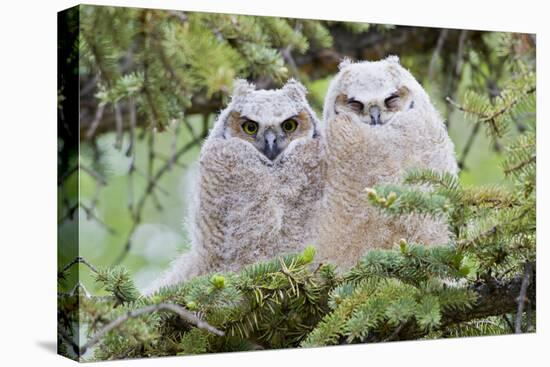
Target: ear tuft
(242,87)
(295,89)
(393,59)
(346,61)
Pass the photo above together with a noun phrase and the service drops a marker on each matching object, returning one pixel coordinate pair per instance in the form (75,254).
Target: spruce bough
(480,283)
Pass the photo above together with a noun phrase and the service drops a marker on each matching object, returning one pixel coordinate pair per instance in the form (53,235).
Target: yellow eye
(289,125)
(250,127)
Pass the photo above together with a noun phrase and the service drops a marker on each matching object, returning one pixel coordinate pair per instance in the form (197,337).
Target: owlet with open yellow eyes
(378,123)
(259,183)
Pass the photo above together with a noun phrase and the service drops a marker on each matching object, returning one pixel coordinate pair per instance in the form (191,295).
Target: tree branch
(495,297)
(152,183)
(76,260)
(182,312)
(520,165)
(522,299)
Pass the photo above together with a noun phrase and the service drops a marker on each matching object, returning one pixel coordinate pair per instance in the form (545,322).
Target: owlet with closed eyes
(259,183)
(378,123)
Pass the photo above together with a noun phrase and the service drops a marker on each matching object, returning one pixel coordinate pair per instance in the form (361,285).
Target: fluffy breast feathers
(247,207)
(360,156)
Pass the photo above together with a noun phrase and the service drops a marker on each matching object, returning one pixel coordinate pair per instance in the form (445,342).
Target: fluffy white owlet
(259,183)
(378,122)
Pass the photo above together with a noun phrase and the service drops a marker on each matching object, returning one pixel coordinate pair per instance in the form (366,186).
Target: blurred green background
(162,236)
(144,94)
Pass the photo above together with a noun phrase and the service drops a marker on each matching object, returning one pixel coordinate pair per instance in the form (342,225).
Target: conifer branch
(464,108)
(155,73)
(520,165)
(495,298)
(186,315)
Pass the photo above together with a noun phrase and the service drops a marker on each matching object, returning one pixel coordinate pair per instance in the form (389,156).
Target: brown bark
(315,63)
(496,297)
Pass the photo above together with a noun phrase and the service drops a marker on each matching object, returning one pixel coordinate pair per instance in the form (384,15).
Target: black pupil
(289,125)
(251,127)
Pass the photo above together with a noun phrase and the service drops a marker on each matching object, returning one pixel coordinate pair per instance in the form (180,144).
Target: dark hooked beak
(271,149)
(374,113)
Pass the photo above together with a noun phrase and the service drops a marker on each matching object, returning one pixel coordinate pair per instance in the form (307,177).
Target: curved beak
(374,113)
(271,149)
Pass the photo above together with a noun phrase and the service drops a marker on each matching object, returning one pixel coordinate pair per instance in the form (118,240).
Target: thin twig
(96,175)
(66,175)
(205,119)
(463,244)
(455,74)
(164,158)
(189,128)
(491,119)
(520,165)
(182,312)
(462,108)
(437,51)
(133,122)
(79,285)
(76,260)
(154,184)
(174,145)
(508,322)
(468,242)
(69,214)
(460,52)
(287,55)
(522,299)
(130,191)
(119,126)
(91,215)
(95,122)
(468,145)
(90,85)
(68,338)
(148,191)
(508,106)
(395,332)
(69,211)
(95,198)
(180,15)
(151,155)
(529,317)
(156,201)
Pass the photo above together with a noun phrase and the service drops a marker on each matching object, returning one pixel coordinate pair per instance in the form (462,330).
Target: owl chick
(378,123)
(259,183)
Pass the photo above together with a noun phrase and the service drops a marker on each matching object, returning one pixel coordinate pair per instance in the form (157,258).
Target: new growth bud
(218,281)
(391,198)
(371,193)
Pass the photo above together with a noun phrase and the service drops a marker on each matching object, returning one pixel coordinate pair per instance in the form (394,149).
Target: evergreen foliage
(194,55)
(480,283)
